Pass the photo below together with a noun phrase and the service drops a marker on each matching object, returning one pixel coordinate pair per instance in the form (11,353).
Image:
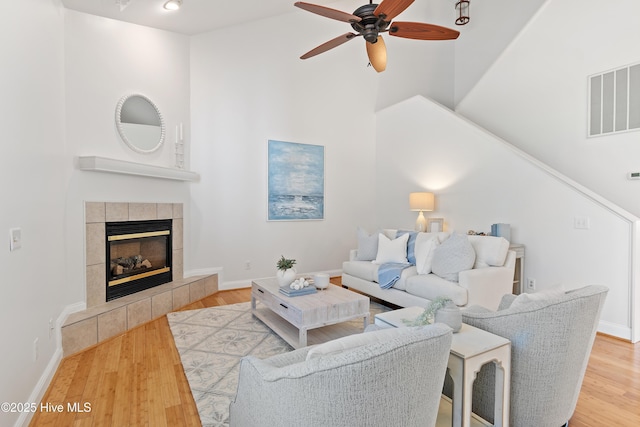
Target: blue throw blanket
(389,274)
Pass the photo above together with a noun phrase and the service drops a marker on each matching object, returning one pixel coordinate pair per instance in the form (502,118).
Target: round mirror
(140,123)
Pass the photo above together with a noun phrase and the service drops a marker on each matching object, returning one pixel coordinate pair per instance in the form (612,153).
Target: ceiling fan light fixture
(369,20)
(377,53)
(173,5)
(462,7)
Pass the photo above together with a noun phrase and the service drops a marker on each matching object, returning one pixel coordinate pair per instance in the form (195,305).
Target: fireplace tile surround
(102,320)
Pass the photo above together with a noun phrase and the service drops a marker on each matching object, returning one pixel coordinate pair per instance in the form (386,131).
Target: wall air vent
(614,101)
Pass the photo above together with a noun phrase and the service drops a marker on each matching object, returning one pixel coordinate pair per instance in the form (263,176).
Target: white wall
(105,60)
(420,67)
(62,82)
(480,180)
(248,86)
(492,26)
(535,94)
(33,174)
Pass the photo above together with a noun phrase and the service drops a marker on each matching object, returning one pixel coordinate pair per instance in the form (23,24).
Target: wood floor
(136,379)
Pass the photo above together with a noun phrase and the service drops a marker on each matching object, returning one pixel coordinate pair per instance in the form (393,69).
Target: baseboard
(246,283)
(204,272)
(66,312)
(615,330)
(237,284)
(41,387)
(45,379)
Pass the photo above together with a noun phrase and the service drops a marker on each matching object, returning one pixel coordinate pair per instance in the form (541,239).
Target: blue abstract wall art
(296,181)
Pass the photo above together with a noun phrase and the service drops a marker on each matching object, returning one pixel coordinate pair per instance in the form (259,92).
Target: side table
(518,276)
(471,348)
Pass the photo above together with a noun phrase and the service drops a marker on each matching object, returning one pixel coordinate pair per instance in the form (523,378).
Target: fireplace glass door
(139,256)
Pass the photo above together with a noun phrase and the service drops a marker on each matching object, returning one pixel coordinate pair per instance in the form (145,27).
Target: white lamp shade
(421,201)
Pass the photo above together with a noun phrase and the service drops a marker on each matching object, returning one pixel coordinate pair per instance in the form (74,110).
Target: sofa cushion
(525,299)
(401,283)
(392,251)
(430,286)
(365,270)
(491,251)
(453,256)
(356,340)
(367,245)
(425,247)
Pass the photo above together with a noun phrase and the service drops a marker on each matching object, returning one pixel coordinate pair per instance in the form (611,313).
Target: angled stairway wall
(480,179)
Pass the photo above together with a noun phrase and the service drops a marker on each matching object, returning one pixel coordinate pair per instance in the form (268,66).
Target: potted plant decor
(440,310)
(286,274)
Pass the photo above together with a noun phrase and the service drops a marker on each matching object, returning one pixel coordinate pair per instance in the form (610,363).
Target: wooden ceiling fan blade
(329,45)
(377,53)
(422,31)
(327,12)
(391,8)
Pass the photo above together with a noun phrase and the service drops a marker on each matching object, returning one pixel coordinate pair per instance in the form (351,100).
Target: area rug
(211,342)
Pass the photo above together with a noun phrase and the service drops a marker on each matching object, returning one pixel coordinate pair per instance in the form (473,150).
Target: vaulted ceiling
(194,17)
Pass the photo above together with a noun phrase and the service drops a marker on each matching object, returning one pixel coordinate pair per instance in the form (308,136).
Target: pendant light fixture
(462,7)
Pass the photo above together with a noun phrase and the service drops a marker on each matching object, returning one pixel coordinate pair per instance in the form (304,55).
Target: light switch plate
(15,239)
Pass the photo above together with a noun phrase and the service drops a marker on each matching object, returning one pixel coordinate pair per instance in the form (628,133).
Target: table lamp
(421,202)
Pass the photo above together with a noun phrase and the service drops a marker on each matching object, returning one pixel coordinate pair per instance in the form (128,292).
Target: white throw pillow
(392,250)
(356,340)
(491,251)
(524,299)
(443,235)
(367,245)
(426,244)
(453,256)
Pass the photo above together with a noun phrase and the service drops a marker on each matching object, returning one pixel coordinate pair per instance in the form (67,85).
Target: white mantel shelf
(103,164)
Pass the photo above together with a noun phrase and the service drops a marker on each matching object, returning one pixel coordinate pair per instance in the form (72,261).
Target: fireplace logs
(120,266)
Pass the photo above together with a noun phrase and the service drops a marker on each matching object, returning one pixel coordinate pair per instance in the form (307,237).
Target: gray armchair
(395,378)
(551,341)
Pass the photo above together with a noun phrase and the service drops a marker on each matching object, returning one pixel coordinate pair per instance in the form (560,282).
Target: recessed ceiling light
(173,4)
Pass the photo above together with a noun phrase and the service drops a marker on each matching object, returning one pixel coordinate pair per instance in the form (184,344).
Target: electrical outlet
(531,284)
(581,222)
(35,350)
(247,265)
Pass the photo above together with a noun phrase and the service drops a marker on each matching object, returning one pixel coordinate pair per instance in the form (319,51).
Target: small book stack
(297,292)
(501,230)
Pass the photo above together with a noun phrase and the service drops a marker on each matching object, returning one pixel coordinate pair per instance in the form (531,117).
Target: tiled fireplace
(107,316)
(98,215)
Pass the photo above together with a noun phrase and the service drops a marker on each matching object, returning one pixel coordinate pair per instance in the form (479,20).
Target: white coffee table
(292,317)
(471,348)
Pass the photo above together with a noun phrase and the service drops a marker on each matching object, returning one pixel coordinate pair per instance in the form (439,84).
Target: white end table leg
(502,387)
(455,366)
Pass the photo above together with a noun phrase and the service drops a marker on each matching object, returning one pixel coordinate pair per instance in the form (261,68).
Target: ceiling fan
(372,19)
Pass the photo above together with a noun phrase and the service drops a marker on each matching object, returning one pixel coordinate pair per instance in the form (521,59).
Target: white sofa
(490,278)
